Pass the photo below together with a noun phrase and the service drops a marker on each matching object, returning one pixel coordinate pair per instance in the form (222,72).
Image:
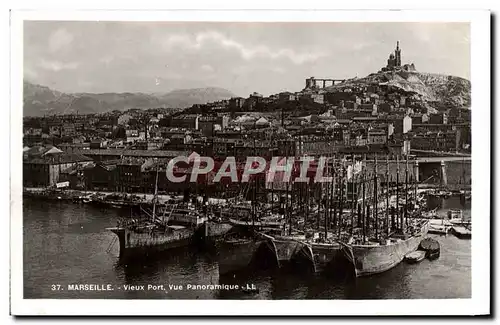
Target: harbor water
(66,244)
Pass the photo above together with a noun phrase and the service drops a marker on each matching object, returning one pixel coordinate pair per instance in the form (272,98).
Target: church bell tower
(398,55)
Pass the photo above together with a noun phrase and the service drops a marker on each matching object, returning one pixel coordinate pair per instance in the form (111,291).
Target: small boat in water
(439,227)
(415,257)
(440,193)
(431,247)
(461,232)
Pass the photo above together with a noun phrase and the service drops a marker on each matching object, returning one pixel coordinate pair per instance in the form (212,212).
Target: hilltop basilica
(394,62)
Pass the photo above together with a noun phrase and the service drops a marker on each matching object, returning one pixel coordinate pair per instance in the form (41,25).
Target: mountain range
(40,100)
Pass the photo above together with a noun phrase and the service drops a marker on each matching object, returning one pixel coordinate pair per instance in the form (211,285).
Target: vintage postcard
(310,163)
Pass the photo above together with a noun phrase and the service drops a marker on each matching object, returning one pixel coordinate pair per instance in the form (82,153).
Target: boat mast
(254,192)
(292,197)
(287,203)
(352,194)
(406,192)
(327,198)
(375,197)
(399,217)
(364,198)
(155,195)
(306,207)
(415,182)
(341,204)
(463,174)
(387,194)
(332,194)
(317,199)
(265,175)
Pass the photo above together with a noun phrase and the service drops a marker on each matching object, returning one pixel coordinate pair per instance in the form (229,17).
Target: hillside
(188,97)
(435,90)
(39,100)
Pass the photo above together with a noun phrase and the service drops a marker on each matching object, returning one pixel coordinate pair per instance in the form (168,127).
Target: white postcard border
(480,80)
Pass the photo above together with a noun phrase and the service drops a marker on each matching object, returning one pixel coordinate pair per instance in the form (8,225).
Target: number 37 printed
(56,287)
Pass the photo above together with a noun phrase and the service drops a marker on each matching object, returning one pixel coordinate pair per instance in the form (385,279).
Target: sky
(156,57)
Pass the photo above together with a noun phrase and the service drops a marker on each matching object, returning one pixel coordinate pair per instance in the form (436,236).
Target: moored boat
(461,232)
(287,247)
(212,230)
(415,257)
(236,252)
(138,238)
(325,255)
(376,257)
(439,229)
(431,247)
(143,239)
(260,224)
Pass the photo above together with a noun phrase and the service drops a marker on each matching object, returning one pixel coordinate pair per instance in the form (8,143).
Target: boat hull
(325,256)
(212,231)
(236,255)
(141,244)
(215,230)
(415,257)
(286,249)
(373,259)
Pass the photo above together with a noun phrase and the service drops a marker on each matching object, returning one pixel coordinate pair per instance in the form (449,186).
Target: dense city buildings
(122,150)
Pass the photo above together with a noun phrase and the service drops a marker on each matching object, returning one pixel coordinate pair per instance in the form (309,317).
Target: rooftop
(59,158)
(136,153)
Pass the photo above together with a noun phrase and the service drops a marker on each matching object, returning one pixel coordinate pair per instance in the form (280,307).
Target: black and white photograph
(170,160)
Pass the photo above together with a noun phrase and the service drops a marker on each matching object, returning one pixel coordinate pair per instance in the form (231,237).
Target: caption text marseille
(150,287)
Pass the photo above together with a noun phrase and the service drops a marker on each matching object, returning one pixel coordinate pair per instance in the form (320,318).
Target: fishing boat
(150,234)
(140,240)
(415,257)
(244,246)
(377,255)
